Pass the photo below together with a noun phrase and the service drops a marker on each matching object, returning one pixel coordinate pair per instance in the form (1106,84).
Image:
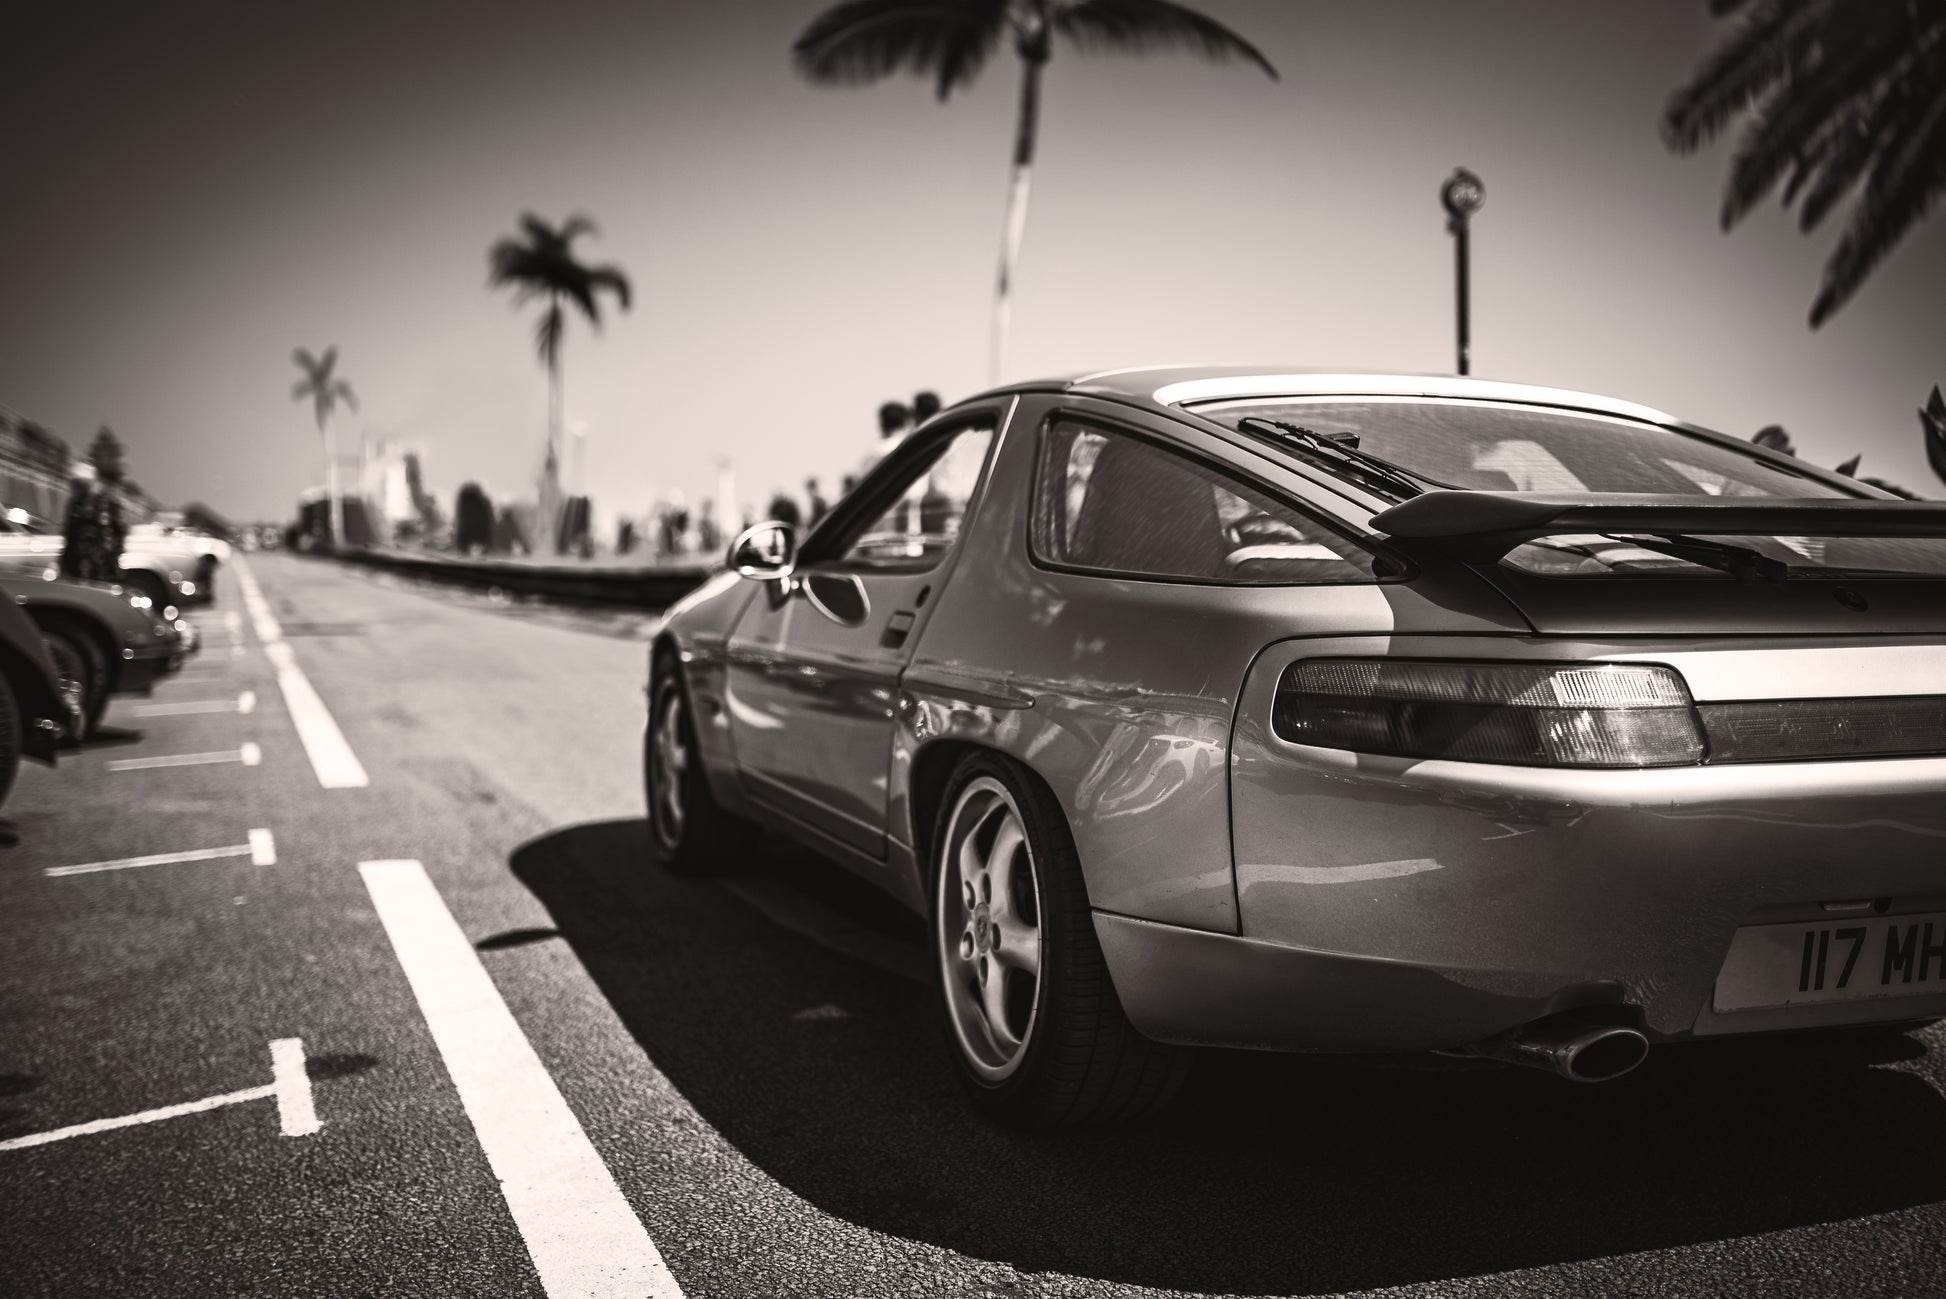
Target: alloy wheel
(989,939)
(668,764)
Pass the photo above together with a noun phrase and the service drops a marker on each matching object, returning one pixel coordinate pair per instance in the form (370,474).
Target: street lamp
(1461,196)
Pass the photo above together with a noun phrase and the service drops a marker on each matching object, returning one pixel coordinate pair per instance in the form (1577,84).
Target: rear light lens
(1520,714)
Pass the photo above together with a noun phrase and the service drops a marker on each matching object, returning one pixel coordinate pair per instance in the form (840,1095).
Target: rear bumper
(1198,988)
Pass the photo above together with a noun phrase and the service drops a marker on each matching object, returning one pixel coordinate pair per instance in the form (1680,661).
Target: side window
(1117,504)
(917,530)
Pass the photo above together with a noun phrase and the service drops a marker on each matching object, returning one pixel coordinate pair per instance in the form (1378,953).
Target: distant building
(36,468)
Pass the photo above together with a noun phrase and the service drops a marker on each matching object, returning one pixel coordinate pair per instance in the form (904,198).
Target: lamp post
(1461,196)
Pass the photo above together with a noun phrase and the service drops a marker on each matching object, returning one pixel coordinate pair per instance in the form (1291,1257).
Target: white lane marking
(233,620)
(253,600)
(582,1235)
(337,767)
(196,706)
(247,702)
(248,755)
(297,1115)
(261,850)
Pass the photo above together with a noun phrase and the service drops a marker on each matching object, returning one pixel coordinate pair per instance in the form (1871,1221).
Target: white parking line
(261,850)
(296,1113)
(579,1230)
(243,703)
(337,767)
(249,755)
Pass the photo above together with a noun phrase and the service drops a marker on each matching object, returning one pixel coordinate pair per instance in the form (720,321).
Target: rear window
(1501,446)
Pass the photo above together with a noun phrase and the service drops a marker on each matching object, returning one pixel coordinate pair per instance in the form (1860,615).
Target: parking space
(538,1064)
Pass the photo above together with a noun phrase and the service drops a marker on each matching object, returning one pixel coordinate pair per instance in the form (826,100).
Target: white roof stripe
(1394,385)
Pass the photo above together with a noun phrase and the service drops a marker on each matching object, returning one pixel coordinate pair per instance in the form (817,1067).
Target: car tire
(690,831)
(11,732)
(147,583)
(1033,1025)
(78,673)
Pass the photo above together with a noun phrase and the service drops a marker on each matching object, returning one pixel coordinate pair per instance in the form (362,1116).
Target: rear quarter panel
(1120,694)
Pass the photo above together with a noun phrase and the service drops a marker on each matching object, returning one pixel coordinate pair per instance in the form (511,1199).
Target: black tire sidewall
(1020,1095)
(11,734)
(64,645)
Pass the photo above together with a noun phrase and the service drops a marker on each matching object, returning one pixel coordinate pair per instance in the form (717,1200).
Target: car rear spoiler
(1486,525)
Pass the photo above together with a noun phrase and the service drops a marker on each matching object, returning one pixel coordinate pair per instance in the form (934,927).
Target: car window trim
(1403,569)
(838,531)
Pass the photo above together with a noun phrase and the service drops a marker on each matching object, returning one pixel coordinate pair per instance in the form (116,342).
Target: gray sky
(196,188)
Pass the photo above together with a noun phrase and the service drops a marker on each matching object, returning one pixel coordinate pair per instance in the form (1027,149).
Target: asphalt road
(752,1057)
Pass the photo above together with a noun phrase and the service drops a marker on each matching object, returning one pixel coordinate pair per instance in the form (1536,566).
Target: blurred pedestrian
(93,532)
(784,510)
(819,507)
(708,535)
(925,405)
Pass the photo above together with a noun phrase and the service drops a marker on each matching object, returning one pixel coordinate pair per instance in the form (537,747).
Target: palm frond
(305,361)
(1902,189)
(300,390)
(1932,426)
(1799,118)
(574,227)
(612,279)
(341,391)
(862,41)
(1152,27)
(1754,57)
(1843,98)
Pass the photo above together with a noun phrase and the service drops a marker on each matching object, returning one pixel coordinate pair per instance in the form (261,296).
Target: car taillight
(1522,714)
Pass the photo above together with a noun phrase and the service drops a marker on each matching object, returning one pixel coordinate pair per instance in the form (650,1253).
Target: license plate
(1836,960)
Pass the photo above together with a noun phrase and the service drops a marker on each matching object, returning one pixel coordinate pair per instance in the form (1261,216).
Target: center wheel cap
(982,928)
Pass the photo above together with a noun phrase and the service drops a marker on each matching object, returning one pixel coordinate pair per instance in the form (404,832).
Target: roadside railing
(638,587)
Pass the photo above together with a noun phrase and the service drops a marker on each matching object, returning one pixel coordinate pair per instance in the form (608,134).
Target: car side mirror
(766,551)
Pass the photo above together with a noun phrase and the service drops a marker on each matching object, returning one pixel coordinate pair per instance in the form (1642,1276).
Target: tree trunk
(335,507)
(550,520)
(1026,129)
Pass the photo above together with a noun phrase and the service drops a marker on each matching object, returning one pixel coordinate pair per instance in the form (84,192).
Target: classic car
(34,711)
(1338,713)
(102,639)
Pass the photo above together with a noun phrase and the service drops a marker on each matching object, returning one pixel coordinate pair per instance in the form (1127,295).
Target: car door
(814,663)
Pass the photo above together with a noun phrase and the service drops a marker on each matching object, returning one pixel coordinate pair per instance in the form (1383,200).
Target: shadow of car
(1270,1173)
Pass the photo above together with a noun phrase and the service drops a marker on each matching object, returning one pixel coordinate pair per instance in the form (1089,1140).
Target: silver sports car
(1330,712)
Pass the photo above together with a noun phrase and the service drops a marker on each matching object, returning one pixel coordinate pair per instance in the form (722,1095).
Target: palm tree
(324,391)
(541,264)
(863,41)
(1840,95)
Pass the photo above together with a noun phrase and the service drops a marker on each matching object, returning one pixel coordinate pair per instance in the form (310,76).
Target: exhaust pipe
(1571,1048)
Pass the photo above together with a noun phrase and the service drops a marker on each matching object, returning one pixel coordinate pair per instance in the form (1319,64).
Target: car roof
(1166,386)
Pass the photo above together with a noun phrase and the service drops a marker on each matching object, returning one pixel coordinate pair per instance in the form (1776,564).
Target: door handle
(897,628)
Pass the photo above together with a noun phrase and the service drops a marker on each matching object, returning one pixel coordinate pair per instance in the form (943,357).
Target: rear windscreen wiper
(1339,452)
(1744,563)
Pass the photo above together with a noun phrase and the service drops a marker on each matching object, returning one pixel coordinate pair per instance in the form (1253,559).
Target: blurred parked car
(1355,713)
(190,557)
(34,714)
(162,570)
(101,639)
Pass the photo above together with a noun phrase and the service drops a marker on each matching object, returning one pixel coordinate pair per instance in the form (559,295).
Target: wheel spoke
(1018,945)
(1000,865)
(993,1001)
